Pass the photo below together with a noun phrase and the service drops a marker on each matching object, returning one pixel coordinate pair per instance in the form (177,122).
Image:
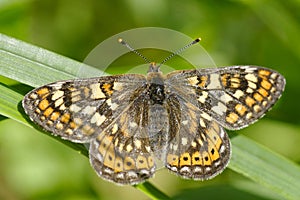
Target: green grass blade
(9,101)
(279,20)
(265,167)
(249,158)
(151,191)
(35,66)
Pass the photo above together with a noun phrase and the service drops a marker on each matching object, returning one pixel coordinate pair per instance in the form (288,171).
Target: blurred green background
(265,33)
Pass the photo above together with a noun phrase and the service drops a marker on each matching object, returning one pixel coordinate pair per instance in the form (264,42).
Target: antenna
(179,51)
(120,40)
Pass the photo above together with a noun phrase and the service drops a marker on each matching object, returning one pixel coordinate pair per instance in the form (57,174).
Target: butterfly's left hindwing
(199,148)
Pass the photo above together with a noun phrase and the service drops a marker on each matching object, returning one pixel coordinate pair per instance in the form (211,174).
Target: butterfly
(133,121)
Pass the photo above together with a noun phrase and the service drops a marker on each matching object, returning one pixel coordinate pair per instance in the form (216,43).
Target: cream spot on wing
(175,147)
(273,76)
(226,98)
(185,122)
(129,148)
(222,149)
(273,90)
(148,148)
(137,143)
(98,119)
(248,115)
(214,82)
(265,103)
(75,93)
(38,111)
(202,98)
(114,129)
(206,116)
(251,77)
(88,110)
(250,69)
(77,121)
(116,142)
(50,123)
(69,131)
(193,80)
(200,142)
(59,126)
(75,108)
(118,86)
(96,91)
(202,123)
(33,96)
(251,85)
(58,102)
(113,106)
(217,163)
(249,90)
(76,98)
(219,109)
(222,133)
(62,107)
(57,95)
(121,146)
(207,169)
(183,141)
(238,94)
(194,144)
(257,108)
(132,124)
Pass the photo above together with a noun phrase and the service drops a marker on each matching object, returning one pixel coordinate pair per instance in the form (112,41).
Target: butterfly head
(154,67)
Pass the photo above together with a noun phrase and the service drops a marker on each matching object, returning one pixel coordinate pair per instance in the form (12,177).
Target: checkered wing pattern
(199,148)
(125,151)
(233,96)
(78,110)
(132,120)
(122,153)
(205,100)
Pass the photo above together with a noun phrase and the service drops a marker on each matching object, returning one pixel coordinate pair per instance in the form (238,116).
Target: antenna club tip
(120,40)
(197,40)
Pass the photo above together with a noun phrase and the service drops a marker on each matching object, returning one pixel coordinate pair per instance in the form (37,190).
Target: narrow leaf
(25,62)
(35,66)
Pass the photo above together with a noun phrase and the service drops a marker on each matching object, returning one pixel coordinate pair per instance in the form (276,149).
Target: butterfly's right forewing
(78,110)
(233,96)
